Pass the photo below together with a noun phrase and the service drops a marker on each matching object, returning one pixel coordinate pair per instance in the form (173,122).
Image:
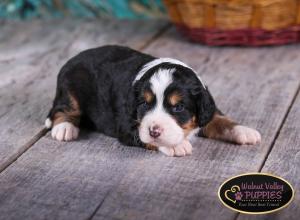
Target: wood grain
(29,63)
(284,161)
(25,83)
(253,92)
(56,180)
(96,177)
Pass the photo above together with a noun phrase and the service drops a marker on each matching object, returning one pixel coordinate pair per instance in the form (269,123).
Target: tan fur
(70,115)
(217,126)
(175,98)
(189,126)
(148,96)
(151,147)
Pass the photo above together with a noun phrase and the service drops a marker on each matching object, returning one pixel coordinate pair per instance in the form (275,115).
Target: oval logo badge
(256,193)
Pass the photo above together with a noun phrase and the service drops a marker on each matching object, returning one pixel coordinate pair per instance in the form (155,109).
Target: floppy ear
(132,100)
(205,105)
(131,103)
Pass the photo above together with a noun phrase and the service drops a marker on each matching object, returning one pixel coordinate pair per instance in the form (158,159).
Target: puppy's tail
(48,123)
(49,120)
(50,117)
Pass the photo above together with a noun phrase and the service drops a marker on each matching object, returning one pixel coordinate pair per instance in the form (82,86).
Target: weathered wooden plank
(284,161)
(26,44)
(20,80)
(55,180)
(72,180)
(254,86)
(29,80)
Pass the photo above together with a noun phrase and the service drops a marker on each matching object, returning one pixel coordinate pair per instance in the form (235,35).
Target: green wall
(27,9)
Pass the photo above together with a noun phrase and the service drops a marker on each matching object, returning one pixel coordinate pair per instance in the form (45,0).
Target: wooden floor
(96,177)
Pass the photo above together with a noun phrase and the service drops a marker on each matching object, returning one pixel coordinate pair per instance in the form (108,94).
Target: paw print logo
(238,196)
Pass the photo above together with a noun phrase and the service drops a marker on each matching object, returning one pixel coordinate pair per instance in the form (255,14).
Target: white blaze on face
(171,132)
(159,61)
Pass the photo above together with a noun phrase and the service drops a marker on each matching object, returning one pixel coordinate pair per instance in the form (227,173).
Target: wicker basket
(237,22)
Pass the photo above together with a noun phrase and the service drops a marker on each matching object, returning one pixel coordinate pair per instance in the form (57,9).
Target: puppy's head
(172,102)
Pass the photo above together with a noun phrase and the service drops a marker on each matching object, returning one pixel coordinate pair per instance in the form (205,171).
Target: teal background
(27,9)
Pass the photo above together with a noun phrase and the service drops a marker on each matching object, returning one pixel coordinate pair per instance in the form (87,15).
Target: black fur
(101,79)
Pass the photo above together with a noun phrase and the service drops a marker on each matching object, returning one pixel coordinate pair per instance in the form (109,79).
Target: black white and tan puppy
(156,103)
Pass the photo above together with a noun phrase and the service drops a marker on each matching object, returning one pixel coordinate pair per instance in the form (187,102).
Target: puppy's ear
(132,100)
(131,103)
(205,105)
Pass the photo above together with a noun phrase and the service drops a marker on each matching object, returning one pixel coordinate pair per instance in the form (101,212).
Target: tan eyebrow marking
(148,96)
(175,98)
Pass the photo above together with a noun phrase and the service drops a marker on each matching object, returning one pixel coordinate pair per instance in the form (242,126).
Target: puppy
(156,103)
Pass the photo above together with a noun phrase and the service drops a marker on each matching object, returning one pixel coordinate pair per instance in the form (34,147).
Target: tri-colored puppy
(157,103)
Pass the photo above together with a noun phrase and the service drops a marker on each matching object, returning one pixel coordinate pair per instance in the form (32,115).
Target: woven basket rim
(259,3)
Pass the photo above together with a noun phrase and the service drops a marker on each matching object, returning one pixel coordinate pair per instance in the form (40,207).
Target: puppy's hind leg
(223,128)
(64,118)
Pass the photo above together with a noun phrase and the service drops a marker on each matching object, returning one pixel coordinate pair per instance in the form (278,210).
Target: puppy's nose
(155,131)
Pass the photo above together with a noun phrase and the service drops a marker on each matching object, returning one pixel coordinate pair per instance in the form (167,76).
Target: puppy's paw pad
(244,135)
(65,131)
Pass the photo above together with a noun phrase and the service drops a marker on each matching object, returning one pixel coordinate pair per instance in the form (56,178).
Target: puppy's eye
(144,105)
(178,108)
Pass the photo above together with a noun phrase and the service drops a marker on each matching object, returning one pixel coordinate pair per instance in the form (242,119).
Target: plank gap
(279,129)
(236,216)
(44,131)
(159,33)
(99,206)
(23,149)
(276,136)
(162,31)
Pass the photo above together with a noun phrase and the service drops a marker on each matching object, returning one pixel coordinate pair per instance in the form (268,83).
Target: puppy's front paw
(65,131)
(244,135)
(183,149)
